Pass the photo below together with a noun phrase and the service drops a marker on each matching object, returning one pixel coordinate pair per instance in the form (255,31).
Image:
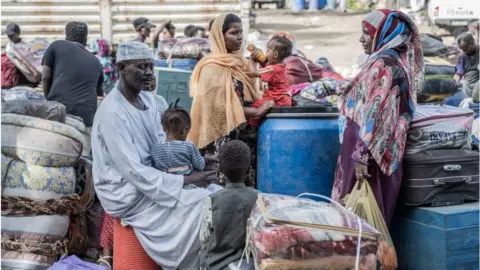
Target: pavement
(321,33)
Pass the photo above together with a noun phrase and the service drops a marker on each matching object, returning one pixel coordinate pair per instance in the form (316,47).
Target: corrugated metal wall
(112,19)
(180,12)
(47,18)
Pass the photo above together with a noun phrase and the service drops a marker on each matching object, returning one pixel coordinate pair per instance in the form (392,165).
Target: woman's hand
(266,106)
(361,171)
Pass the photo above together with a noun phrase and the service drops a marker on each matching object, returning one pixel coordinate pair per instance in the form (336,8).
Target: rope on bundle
(45,247)
(74,205)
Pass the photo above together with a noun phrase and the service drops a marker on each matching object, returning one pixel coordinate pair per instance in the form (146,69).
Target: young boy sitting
(226,212)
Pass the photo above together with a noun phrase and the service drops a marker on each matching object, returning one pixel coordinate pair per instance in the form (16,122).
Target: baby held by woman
(273,74)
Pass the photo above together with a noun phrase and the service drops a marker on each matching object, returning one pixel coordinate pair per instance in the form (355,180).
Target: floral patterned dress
(245,133)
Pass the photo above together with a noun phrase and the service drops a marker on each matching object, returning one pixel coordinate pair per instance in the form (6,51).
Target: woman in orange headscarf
(223,93)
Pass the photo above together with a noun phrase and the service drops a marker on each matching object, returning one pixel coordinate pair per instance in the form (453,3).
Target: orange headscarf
(216,109)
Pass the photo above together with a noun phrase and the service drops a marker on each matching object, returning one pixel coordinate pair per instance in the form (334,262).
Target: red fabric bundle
(301,70)
(10,74)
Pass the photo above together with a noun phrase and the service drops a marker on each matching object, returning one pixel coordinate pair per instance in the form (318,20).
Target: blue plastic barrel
(297,150)
(298,5)
(317,4)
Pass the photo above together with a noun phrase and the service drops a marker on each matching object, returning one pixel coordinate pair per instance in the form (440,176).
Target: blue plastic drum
(297,151)
(298,5)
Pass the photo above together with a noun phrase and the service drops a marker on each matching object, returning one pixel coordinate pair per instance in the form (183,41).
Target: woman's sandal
(104,261)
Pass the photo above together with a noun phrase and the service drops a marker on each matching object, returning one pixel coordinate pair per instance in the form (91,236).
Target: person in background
(201,32)
(11,75)
(168,31)
(73,76)
(144,27)
(225,212)
(210,27)
(223,94)
(157,221)
(12,31)
(473,28)
(377,108)
(101,49)
(190,31)
(467,66)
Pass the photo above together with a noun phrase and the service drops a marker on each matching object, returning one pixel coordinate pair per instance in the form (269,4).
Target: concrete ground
(321,33)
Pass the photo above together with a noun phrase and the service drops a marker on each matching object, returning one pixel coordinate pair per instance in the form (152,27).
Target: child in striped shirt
(176,155)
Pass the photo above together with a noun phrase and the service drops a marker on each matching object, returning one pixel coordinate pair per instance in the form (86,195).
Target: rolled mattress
(40,142)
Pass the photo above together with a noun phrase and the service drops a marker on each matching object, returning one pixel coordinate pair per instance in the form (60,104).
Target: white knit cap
(134,50)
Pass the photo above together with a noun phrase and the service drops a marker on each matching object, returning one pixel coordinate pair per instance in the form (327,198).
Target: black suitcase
(440,177)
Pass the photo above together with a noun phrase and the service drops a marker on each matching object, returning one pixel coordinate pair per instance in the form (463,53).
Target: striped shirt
(170,155)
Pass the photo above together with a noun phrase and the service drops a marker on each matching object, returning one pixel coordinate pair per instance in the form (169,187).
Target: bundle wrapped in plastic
(319,91)
(27,57)
(285,232)
(165,47)
(20,93)
(194,48)
(440,127)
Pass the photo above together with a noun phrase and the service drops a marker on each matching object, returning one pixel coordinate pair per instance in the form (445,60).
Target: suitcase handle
(444,182)
(452,168)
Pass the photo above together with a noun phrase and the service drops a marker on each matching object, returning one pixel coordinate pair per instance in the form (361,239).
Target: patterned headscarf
(391,29)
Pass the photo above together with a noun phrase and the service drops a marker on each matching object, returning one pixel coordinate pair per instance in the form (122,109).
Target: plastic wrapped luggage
(20,93)
(432,46)
(440,177)
(194,48)
(318,91)
(289,233)
(439,127)
(40,142)
(436,90)
(439,70)
(27,57)
(48,110)
(165,47)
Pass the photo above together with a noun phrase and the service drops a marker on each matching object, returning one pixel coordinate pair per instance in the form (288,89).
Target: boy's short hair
(234,157)
(282,45)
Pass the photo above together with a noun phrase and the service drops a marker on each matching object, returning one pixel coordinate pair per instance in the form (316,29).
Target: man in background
(12,31)
(144,27)
(73,76)
(468,62)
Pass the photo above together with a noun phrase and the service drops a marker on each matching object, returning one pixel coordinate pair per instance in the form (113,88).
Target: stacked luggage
(440,167)
(41,180)
(181,53)
(438,84)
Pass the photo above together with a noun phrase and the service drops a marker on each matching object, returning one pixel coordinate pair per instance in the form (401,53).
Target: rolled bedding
(40,142)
